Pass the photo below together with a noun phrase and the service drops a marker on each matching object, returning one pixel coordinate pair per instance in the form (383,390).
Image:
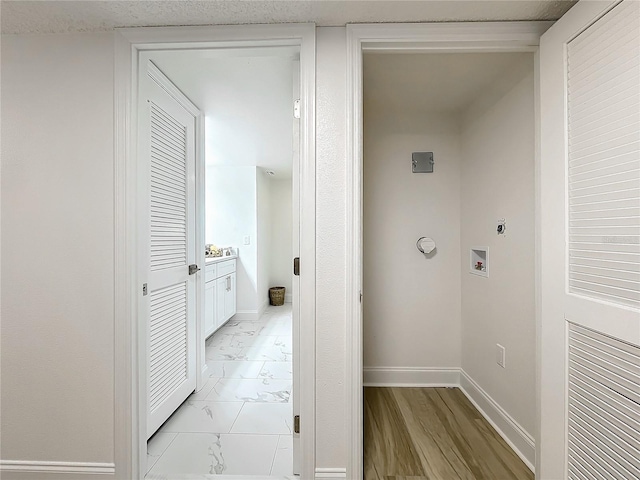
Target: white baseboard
(250,315)
(331,473)
(26,466)
(411,377)
(522,443)
(246,316)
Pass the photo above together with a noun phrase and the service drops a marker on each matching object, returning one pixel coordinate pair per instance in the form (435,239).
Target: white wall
(57,248)
(263,237)
(246,99)
(411,303)
(230,210)
(331,165)
(57,191)
(281,251)
(498,182)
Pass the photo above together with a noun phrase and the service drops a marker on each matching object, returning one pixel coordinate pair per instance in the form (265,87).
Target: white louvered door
(599,54)
(168,153)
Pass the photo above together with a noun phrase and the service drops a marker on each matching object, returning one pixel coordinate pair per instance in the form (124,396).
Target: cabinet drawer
(225,268)
(210,272)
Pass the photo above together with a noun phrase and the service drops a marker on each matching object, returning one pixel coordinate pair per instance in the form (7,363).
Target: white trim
(201,335)
(511,431)
(411,377)
(245,316)
(427,37)
(57,467)
(161,79)
(129,444)
(126,431)
(331,473)
(538,247)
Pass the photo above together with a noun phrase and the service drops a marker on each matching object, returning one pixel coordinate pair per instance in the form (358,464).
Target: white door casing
(295,282)
(590,221)
(132,45)
(400,38)
(167,144)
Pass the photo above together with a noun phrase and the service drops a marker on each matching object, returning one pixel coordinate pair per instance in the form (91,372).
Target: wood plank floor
(432,434)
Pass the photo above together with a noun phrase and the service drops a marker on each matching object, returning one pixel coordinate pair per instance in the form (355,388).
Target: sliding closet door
(167,133)
(590,99)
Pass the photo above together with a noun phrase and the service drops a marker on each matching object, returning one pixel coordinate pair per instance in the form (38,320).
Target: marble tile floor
(240,423)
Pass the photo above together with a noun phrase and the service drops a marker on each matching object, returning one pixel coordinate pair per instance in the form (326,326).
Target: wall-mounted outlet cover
(247,240)
(501,355)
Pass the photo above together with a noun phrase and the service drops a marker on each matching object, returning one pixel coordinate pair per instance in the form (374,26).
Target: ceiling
(58,16)
(246,96)
(440,82)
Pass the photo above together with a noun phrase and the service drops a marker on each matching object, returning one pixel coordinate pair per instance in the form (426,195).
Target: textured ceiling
(57,16)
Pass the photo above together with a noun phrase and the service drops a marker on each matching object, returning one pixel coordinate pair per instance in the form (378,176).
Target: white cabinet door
(209,308)
(230,297)
(221,288)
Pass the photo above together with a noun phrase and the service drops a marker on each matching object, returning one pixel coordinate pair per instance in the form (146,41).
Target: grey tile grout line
(273,460)
(236,419)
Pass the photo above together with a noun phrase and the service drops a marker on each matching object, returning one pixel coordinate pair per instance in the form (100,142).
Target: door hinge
(193,269)
(360,297)
(145,290)
(296,266)
(296,424)
(296,109)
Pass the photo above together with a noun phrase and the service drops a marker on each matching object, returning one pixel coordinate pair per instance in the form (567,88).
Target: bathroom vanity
(219,292)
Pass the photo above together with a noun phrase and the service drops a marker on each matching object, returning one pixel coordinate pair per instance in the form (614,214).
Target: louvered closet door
(602,225)
(604,407)
(603,93)
(170,211)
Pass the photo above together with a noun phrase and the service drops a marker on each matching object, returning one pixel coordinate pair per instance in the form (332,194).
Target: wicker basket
(276,296)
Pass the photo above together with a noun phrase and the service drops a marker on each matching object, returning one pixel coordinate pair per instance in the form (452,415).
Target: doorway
(133,45)
(240,418)
(390,45)
(449,149)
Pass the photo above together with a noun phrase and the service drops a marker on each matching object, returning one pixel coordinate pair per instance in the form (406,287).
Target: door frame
(481,37)
(130,351)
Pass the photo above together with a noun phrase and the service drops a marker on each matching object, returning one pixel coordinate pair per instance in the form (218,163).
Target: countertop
(210,260)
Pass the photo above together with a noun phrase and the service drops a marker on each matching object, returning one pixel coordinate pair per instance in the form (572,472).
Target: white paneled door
(590,148)
(167,169)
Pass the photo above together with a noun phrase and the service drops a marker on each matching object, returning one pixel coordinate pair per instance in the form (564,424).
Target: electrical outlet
(501,355)
(247,240)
